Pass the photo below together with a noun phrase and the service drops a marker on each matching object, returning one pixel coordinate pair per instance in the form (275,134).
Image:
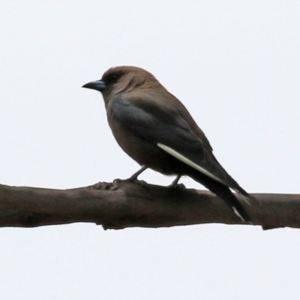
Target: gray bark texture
(125,204)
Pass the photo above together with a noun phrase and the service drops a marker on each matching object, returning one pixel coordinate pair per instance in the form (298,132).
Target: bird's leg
(175,181)
(175,184)
(136,174)
(133,177)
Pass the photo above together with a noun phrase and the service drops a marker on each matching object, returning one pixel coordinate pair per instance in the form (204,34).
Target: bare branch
(123,204)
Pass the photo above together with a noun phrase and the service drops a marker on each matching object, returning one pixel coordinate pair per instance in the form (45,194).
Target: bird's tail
(223,192)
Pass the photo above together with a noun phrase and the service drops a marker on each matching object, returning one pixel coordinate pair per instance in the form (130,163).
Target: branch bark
(123,204)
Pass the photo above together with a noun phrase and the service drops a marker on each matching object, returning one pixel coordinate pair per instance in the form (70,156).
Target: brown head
(122,80)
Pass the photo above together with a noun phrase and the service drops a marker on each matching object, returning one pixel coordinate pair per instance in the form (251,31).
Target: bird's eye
(112,78)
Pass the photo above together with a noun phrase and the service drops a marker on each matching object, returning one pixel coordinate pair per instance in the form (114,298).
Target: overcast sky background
(236,67)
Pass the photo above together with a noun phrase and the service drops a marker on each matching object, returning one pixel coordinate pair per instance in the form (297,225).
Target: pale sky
(236,67)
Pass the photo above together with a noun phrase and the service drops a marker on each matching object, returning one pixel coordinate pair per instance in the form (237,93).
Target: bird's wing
(171,133)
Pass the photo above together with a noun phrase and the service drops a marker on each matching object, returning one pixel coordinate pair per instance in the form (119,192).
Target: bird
(156,130)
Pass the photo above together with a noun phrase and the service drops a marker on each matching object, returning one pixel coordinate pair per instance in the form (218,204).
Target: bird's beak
(97,85)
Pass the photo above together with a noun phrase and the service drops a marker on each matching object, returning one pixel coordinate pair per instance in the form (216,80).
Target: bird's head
(121,80)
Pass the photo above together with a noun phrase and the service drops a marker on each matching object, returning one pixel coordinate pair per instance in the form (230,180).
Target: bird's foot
(179,186)
(131,180)
(134,177)
(175,184)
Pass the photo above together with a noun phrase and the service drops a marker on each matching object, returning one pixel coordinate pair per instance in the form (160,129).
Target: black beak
(97,85)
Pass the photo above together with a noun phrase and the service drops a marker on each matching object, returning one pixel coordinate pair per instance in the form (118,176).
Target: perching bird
(155,129)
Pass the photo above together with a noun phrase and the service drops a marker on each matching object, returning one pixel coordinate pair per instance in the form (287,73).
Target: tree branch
(122,204)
